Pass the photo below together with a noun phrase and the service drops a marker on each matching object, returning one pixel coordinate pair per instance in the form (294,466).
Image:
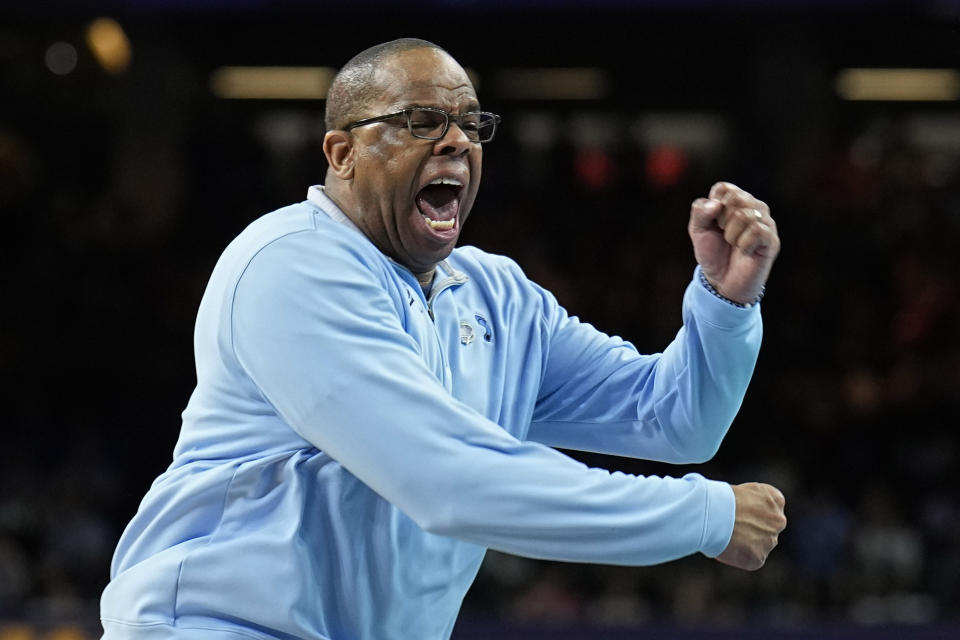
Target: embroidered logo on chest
(485,326)
(467,333)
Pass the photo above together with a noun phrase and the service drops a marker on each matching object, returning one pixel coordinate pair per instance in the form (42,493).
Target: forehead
(426,77)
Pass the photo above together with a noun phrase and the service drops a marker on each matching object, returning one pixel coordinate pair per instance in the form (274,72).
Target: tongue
(438,202)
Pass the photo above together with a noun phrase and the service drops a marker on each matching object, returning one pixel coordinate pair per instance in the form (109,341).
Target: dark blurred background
(133,148)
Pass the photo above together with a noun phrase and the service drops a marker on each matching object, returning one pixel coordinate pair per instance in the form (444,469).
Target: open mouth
(439,203)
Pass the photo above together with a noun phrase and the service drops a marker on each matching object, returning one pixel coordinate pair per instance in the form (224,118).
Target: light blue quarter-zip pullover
(353,447)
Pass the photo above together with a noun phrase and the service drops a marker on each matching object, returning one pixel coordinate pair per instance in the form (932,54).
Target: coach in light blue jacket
(374,408)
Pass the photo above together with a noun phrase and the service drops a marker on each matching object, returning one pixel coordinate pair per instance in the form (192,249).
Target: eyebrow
(471,107)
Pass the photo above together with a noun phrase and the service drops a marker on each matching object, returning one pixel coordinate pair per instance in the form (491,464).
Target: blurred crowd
(852,405)
(116,211)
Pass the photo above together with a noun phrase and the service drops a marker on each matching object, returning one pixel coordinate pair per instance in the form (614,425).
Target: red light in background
(595,169)
(666,165)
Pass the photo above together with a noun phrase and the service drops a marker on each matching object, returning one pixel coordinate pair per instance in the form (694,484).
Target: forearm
(675,406)
(702,377)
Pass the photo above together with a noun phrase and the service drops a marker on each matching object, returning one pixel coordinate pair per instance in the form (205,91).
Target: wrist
(720,518)
(713,291)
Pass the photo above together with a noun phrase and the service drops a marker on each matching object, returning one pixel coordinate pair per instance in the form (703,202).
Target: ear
(339,149)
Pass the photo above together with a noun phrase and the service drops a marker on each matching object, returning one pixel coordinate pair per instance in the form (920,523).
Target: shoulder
(297,265)
(300,222)
(477,263)
(298,236)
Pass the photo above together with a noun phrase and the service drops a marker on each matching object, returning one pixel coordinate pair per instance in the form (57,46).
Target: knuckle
(722,190)
(739,197)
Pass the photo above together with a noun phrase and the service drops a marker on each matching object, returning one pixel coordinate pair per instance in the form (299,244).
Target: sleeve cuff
(715,309)
(719,517)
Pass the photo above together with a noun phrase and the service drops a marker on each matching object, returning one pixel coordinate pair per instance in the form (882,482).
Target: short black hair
(353,88)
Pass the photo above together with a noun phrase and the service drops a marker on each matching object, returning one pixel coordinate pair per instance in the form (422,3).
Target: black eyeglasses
(428,123)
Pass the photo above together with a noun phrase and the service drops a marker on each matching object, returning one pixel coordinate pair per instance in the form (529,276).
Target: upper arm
(598,393)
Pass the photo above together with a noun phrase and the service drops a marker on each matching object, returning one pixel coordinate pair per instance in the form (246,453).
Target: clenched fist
(758,523)
(735,241)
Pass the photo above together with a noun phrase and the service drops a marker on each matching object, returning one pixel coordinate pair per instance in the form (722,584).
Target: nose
(453,143)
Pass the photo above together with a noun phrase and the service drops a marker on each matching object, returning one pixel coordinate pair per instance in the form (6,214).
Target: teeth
(439,224)
(450,181)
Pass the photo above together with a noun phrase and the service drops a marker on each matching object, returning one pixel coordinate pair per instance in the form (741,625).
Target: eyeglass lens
(430,124)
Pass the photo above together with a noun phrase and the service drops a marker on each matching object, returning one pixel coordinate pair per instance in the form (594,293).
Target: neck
(340,201)
(425,280)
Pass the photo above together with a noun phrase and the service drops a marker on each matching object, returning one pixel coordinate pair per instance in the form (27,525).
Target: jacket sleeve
(599,394)
(320,337)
